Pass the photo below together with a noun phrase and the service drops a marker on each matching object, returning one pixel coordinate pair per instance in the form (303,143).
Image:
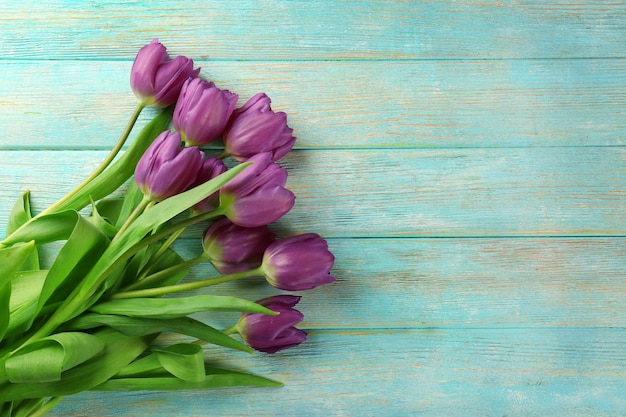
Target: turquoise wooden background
(465,160)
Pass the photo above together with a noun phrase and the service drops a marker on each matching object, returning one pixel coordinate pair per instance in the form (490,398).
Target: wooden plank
(381,193)
(429,104)
(438,372)
(326,29)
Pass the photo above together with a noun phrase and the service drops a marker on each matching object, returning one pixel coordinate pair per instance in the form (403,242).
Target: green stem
(165,273)
(143,204)
(159,291)
(46,408)
(103,165)
(231,330)
(162,249)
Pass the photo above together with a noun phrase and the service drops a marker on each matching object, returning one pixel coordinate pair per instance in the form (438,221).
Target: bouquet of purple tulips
(91,320)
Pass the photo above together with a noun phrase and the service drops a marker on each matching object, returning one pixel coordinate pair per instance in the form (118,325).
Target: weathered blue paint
(465,160)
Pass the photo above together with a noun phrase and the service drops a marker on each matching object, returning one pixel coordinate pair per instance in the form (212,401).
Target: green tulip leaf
(139,326)
(5,297)
(101,223)
(214,378)
(12,258)
(45,229)
(183,360)
(165,308)
(109,209)
(20,215)
(11,261)
(45,359)
(25,290)
(119,350)
(74,260)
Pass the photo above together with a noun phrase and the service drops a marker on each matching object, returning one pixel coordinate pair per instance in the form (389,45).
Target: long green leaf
(5,297)
(25,290)
(119,351)
(21,214)
(11,261)
(165,308)
(45,359)
(101,223)
(183,360)
(215,378)
(12,258)
(45,229)
(74,260)
(140,326)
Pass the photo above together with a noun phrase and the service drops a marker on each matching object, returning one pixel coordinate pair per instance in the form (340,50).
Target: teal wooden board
(327,29)
(343,104)
(385,192)
(465,160)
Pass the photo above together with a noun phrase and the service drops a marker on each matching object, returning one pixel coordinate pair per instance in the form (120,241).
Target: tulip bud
(155,79)
(270,334)
(231,248)
(167,169)
(255,128)
(298,262)
(211,168)
(202,111)
(257,195)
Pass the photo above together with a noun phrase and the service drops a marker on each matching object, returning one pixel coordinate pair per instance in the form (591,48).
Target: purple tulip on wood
(256,128)
(155,79)
(257,196)
(167,169)
(298,262)
(270,334)
(202,111)
(232,248)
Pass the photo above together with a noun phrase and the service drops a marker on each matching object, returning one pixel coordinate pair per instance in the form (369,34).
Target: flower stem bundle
(92,319)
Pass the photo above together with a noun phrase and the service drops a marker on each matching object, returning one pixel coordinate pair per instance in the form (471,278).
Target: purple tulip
(202,111)
(257,196)
(155,79)
(298,262)
(211,168)
(255,128)
(166,169)
(233,248)
(270,334)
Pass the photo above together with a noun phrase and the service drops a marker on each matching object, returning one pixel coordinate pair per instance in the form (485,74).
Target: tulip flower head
(256,128)
(231,248)
(271,334)
(167,169)
(298,262)
(202,111)
(155,79)
(257,196)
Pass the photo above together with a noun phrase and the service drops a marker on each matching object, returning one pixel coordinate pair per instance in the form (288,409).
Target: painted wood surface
(465,160)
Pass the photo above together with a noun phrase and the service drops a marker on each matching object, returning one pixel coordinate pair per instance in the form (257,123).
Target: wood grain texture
(344,104)
(327,29)
(465,161)
(382,193)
